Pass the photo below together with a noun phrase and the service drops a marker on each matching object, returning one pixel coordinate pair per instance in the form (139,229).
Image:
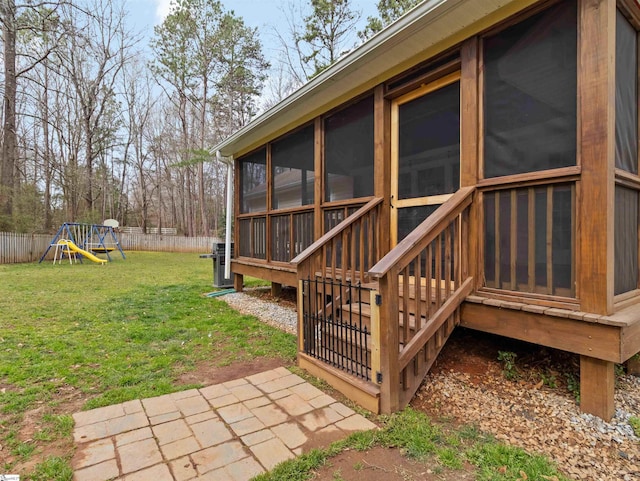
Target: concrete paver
(183,469)
(97,472)
(95,452)
(230,431)
(138,455)
(290,434)
(180,448)
(271,453)
(211,432)
(218,456)
(172,431)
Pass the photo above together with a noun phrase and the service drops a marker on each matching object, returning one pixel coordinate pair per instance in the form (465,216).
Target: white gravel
(275,314)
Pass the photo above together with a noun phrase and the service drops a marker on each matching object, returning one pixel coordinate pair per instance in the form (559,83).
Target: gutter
(227,236)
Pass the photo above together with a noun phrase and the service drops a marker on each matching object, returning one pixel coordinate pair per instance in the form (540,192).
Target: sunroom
(475,164)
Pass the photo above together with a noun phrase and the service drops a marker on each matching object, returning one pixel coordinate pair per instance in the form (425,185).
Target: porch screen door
(425,152)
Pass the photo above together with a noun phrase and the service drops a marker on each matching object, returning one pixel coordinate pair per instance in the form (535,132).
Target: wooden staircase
(372,325)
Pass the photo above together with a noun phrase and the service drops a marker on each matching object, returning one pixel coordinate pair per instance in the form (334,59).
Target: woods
(100,122)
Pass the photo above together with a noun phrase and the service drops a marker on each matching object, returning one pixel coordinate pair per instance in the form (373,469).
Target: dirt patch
(287,296)
(69,400)
(208,373)
(382,464)
(31,427)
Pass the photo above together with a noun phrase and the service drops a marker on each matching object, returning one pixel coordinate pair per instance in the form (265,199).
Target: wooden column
(382,163)
(595,203)
(318,183)
(596,153)
(469,158)
(389,342)
(238,282)
(276,289)
(597,379)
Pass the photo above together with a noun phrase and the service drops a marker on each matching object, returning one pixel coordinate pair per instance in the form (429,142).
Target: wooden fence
(17,248)
(170,243)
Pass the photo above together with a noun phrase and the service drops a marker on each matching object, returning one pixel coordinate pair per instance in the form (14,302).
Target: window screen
(530,94)
(411,217)
(626,240)
(253,182)
(429,144)
(348,152)
(293,169)
(626,95)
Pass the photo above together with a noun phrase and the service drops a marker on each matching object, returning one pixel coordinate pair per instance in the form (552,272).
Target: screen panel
(348,152)
(253,182)
(626,240)
(293,169)
(429,144)
(626,95)
(530,97)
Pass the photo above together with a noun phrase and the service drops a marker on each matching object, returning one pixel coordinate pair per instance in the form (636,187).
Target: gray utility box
(218,255)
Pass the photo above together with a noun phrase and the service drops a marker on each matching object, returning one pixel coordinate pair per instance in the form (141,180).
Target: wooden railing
(291,233)
(422,282)
(253,236)
(348,250)
(529,239)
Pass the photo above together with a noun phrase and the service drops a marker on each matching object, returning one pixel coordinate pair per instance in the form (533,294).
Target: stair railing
(430,268)
(348,250)
(343,255)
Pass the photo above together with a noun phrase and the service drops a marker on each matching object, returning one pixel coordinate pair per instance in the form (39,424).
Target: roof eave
(432,21)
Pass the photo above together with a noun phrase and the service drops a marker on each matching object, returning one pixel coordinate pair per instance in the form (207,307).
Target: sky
(263,14)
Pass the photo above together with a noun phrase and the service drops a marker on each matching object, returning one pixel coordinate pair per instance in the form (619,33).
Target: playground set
(77,241)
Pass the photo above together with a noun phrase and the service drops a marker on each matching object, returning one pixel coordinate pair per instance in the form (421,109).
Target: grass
(634,421)
(417,437)
(111,333)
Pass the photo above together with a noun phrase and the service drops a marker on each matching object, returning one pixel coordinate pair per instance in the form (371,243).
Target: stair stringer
(417,356)
(412,376)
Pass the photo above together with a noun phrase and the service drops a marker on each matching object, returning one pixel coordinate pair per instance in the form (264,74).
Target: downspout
(227,238)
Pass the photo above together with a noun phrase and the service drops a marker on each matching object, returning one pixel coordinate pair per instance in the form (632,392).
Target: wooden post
(597,379)
(596,152)
(301,315)
(375,336)
(276,289)
(238,282)
(382,164)
(389,341)
(318,179)
(469,159)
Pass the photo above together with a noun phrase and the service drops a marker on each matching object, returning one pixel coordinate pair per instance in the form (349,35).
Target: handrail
(337,230)
(424,234)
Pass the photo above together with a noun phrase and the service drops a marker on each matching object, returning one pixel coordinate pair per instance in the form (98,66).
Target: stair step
(357,309)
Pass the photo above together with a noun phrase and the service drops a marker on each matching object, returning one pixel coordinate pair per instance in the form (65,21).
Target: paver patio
(230,431)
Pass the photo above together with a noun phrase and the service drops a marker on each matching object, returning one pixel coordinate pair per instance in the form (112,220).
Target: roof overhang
(428,29)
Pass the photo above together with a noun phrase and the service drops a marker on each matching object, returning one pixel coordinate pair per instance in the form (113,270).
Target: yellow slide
(83,252)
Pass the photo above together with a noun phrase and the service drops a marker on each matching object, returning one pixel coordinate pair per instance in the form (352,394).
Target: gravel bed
(537,419)
(277,315)
(543,421)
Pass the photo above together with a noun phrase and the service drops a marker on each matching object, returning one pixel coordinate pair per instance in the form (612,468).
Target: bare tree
(96,54)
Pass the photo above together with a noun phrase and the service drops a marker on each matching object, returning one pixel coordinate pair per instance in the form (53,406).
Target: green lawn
(109,334)
(84,336)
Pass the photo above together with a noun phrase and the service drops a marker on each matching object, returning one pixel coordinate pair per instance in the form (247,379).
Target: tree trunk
(47,151)
(203,120)
(9,140)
